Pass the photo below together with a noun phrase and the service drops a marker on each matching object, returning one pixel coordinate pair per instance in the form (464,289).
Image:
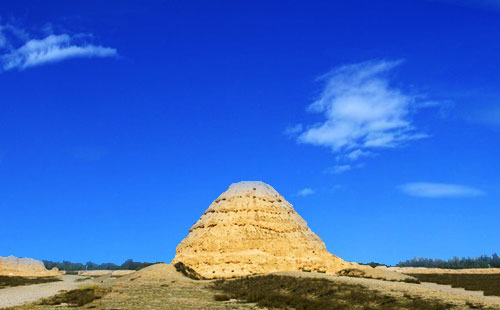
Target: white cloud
(354,155)
(305,192)
(362,112)
(50,49)
(439,190)
(341,168)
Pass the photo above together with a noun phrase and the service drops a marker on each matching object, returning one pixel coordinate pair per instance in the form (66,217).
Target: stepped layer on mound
(25,267)
(252,229)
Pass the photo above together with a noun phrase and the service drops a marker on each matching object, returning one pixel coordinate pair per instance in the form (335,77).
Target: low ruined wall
(25,267)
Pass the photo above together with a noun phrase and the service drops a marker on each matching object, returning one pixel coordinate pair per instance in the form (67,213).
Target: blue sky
(120,122)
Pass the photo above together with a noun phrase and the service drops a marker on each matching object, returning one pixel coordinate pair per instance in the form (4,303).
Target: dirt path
(14,296)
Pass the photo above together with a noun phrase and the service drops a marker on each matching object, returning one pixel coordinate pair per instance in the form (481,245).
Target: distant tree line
(129,264)
(483,261)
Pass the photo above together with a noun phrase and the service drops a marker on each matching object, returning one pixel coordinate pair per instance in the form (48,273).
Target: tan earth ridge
(25,267)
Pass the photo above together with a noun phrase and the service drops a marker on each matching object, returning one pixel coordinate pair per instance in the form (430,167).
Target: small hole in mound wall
(232,270)
(254,189)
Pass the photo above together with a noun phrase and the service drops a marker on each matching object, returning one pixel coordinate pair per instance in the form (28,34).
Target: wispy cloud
(362,112)
(488,117)
(343,167)
(338,169)
(305,192)
(3,39)
(439,190)
(356,154)
(22,52)
(293,131)
(483,4)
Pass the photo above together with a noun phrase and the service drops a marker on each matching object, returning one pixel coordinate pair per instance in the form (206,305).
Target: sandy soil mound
(25,267)
(158,273)
(363,271)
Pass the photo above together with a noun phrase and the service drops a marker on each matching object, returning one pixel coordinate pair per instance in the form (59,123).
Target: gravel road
(18,295)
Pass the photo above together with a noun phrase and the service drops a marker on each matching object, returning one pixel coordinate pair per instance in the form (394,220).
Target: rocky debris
(252,229)
(25,267)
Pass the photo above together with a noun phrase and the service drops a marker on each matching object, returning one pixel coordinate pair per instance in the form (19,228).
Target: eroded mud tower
(252,229)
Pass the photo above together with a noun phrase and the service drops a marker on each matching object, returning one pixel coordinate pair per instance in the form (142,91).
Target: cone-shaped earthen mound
(252,229)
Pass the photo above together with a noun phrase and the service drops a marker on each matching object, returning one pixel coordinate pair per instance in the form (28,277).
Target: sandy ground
(18,295)
(161,287)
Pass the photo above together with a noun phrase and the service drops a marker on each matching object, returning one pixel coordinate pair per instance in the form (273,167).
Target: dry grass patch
(75,298)
(20,281)
(285,292)
(488,283)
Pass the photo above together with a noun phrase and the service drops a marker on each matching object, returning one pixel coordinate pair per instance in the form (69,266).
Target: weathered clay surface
(252,229)
(25,267)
